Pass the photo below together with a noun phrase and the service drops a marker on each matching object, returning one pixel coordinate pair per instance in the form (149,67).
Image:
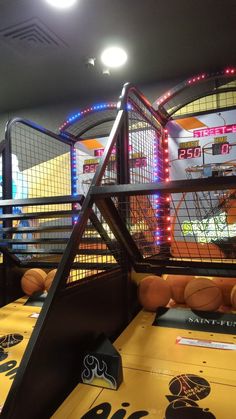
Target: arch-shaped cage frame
(194,88)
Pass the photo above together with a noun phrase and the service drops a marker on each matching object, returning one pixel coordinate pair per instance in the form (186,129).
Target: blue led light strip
(85,112)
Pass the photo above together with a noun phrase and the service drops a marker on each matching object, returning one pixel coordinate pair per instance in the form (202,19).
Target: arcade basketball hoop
(211,170)
(210,203)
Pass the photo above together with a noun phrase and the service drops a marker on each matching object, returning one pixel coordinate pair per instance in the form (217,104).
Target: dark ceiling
(44,50)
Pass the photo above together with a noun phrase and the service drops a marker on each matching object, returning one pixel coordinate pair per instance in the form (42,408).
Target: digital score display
(91,166)
(99,151)
(220,148)
(138,162)
(189,153)
(134,163)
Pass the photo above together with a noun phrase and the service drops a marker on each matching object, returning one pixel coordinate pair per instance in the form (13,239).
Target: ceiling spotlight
(106,72)
(61,4)
(90,62)
(113,57)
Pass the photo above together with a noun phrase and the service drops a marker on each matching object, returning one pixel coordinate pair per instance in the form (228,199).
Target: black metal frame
(7,168)
(78,137)
(159,264)
(198,89)
(10,203)
(7,165)
(7,204)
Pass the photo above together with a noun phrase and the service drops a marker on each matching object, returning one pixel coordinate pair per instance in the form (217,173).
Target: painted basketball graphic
(186,390)
(13,339)
(191,386)
(3,354)
(184,408)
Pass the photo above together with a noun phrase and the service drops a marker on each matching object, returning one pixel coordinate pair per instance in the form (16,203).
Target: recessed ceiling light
(113,57)
(61,4)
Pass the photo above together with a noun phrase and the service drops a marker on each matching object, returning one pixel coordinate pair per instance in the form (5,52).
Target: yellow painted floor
(162,379)
(16,325)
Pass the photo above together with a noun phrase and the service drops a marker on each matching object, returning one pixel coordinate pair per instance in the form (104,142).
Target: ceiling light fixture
(61,4)
(113,57)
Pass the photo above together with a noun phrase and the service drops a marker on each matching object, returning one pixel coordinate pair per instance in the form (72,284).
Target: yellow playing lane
(16,325)
(162,379)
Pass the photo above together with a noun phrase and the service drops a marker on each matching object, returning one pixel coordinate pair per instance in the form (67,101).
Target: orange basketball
(226,286)
(233,297)
(49,278)
(177,284)
(153,292)
(203,294)
(231,212)
(137,276)
(33,281)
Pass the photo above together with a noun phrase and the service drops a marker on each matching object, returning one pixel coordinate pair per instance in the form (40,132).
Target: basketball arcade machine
(144,162)
(200,200)
(201,126)
(165,372)
(76,311)
(138,208)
